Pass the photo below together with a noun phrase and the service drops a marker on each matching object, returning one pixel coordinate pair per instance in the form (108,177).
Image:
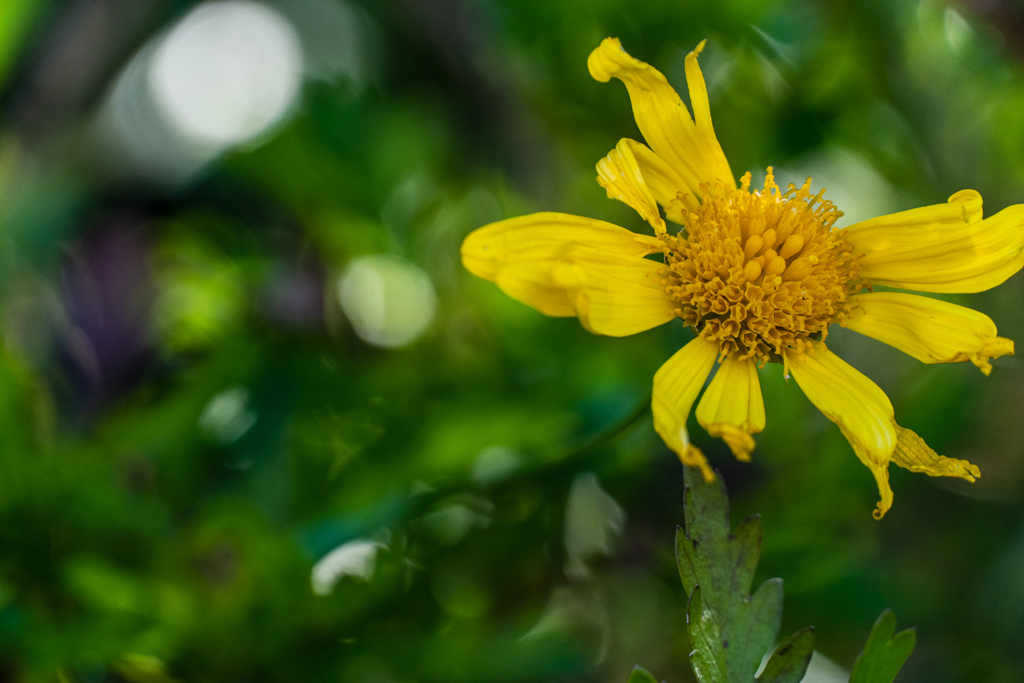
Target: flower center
(761,272)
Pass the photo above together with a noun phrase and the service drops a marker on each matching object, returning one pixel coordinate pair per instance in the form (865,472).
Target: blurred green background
(258,424)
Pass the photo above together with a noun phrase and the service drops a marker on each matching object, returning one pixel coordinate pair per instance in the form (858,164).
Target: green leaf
(641,675)
(730,630)
(708,656)
(884,654)
(788,663)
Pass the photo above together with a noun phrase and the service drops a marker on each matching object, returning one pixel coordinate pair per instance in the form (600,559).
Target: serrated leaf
(788,663)
(884,654)
(723,564)
(708,656)
(641,675)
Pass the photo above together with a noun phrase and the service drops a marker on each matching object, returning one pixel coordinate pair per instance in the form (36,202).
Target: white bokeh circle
(227,72)
(389,301)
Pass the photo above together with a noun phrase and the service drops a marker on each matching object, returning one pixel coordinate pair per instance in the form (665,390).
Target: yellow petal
(931,331)
(855,403)
(676,385)
(565,265)
(664,183)
(690,149)
(613,294)
(619,174)
(914,454)
(732,408)
(941,248)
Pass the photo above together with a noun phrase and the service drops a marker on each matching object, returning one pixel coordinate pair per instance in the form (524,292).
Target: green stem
(614,431)
(553,468)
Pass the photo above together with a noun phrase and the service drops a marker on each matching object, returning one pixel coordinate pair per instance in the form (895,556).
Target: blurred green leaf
(884,654)
(142,669)
(641,675)
(15,19)
(788,663)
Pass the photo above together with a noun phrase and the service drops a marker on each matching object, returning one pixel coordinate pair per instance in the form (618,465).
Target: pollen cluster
(761,272)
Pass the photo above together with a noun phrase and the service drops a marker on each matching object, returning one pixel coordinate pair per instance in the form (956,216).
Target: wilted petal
(915,455)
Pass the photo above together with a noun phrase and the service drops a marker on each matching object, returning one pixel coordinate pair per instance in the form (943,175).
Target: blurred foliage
(884,655)
(206,474)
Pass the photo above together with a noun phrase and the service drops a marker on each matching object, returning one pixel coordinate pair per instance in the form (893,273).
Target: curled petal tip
(881,474)
(993,348)
(971,202)
(597,62)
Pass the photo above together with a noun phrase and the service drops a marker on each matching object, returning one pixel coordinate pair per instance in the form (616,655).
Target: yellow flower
(760,275)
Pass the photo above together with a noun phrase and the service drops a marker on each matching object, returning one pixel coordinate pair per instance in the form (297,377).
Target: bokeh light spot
(356,558)
(226,418)
(389,301)
(227,72)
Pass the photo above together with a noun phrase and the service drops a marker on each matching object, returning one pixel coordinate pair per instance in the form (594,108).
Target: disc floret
(763,271)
